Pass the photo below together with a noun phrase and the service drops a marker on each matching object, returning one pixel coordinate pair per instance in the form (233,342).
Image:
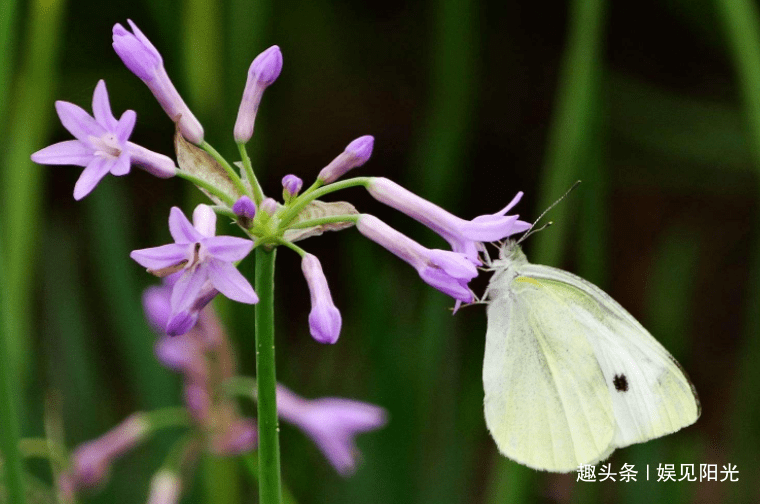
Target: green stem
(234,176)
(42,448)
(205,185)
(306,198)
(258,193)
(9,423)
(172,416)
(224,211)
(292,246)
(270,491)
(325,220)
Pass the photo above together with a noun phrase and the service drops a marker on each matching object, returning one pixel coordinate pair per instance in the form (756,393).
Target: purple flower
(269,206)
(449,272)
(291,185)
(463,236)
(324,319)
(206,262)
(92,461)
(356,154)
(157,305)
(262,73)
(239,437)
(165,487)
(142,59)
(244,207)
(332,423)
(101,144)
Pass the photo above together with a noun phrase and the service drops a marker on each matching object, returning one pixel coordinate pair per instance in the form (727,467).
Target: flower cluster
(199,265)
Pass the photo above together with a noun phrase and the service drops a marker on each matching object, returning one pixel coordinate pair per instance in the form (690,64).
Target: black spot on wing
(620,382)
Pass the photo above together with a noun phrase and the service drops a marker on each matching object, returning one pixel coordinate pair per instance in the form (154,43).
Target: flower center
(106,146)
(197,255)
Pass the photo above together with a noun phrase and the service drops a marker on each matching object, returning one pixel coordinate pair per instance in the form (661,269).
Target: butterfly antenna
(530,230)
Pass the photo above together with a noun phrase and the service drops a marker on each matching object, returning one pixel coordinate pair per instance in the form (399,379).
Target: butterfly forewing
(546,404)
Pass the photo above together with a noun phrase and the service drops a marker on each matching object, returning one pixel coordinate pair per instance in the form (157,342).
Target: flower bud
(291,186)
(324,319)
(245,209)
(356,154)
(263,71)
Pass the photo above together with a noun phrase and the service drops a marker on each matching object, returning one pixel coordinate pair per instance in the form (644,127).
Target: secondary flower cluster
(205,359)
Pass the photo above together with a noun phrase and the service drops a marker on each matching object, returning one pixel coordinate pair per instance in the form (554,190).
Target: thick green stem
(9,424)
(269,444)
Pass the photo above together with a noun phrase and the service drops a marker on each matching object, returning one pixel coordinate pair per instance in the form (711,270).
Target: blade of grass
(741,24)
(21,180)
(569,130)
(7,48)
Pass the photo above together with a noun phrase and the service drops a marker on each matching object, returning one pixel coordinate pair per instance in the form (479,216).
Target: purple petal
(70,152)
(181,323)
(160,257)
(181,229)
(490,230)
(228,248)
(228,280)
(439,279)
(123,129)
(154,163)
(122,164)
(78,122)
(92,174)
(155,301)
(204,220)
(187,288)
(101,108)
(456,265)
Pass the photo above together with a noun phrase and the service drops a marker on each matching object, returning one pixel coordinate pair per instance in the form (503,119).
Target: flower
(332,423)
(91,462)
(206,264)
(165,487)
(449,272)
(157,305)
(262,73)
(356,154)
(143,59)
(101,144)
(463,236)
(324,318)
(291,185)
(244,207)
(240,435)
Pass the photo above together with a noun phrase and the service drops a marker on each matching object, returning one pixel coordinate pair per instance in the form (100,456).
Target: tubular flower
(206,264)
(324,319)
(101,144)
(332,423)
(449,272)
(356,154)
(143,59)
(262,73)
(464,236)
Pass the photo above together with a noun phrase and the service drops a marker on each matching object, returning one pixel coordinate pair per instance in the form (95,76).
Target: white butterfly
(569,375)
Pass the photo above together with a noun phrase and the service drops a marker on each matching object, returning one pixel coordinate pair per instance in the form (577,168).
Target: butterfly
(569,375)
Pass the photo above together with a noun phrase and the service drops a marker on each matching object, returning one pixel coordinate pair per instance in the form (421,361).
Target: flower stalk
(269,444)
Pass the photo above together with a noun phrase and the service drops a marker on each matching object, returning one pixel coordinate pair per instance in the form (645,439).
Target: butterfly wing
(546,402)
(651,395)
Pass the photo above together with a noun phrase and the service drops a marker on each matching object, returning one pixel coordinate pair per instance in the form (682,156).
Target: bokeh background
(654,105)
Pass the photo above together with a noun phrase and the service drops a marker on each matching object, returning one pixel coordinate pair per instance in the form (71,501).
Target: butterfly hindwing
(650,393)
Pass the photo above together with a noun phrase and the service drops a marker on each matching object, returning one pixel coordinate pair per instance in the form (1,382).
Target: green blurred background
(655,105)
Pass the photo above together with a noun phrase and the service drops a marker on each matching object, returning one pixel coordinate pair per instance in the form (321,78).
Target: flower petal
(70,152)
(121,164)
(228,280)
(228,248)
(92,174)
(78,122)
(181,229)
(204,220)
(101,108)
(126,124)
(157,258)
(187,288)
